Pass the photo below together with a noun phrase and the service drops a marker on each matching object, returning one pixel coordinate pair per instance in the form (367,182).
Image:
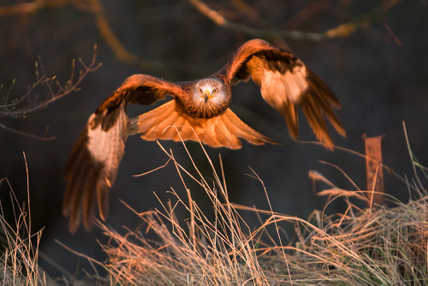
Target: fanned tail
(170,122)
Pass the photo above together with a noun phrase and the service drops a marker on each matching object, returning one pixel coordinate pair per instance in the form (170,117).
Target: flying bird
(199,111)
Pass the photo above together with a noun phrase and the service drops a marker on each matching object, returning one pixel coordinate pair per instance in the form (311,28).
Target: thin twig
(109,37)
(343,30)
(55,93)
(26,134)
(92,6)
(221,21)
(21,8)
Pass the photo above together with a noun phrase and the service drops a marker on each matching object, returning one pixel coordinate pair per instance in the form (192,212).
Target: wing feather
(234,142)
(188,131)
(316,122)
(242,130)
(224,136)
(291,118)
(209,135)
(93,164)
(75,195)
(176,127)
(285,82)
(92,168)
(159,127)
(167,130)
(88,200)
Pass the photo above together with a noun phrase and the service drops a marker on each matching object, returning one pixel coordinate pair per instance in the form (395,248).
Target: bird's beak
(207,95)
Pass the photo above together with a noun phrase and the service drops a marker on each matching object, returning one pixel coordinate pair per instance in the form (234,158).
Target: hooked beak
(207,95)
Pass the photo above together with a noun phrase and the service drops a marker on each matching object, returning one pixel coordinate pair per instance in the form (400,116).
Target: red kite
(199,111)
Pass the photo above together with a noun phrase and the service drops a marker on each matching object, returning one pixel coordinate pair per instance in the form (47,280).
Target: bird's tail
(93,164)
(170,122)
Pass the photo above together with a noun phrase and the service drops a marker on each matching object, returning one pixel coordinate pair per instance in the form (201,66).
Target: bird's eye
(214,90)
(200,90)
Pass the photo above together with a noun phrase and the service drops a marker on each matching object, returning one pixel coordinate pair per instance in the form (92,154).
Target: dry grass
(375,246)
(19,246)
(362,246)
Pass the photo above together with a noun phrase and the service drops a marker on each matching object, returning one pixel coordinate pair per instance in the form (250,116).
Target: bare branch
(21,8)
(362,22)
(96,8)
(26,134)
(342,30)
(221,21)
(121,53)
(32,7)
(247,9)
(109,37)
(29,102)
(56,90)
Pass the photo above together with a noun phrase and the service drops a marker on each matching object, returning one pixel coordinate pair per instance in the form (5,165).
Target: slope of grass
(362,246)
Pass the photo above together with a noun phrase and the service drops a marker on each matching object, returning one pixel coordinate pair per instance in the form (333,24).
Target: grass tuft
(362,246)
(19,246)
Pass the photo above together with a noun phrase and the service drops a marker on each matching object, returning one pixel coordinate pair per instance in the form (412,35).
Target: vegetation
(19,246)
(375,245)
(362,246)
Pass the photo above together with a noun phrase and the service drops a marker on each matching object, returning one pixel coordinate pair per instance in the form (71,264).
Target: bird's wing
(285,82)
(170,122)
(93,164)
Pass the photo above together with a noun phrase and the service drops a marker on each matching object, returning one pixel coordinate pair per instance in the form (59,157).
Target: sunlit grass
(362,246)
(378,245)
(19,246)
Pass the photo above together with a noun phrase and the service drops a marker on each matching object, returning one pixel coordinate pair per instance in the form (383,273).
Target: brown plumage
(199,111)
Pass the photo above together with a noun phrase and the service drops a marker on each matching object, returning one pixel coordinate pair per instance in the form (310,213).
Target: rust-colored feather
(285,83)
(94,161)
(242,130)
(170,122)
(93,166)
(291,118)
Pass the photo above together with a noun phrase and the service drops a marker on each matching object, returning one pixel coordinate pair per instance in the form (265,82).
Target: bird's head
(209,91)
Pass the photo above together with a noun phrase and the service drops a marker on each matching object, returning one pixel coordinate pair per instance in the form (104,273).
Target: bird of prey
(199,111)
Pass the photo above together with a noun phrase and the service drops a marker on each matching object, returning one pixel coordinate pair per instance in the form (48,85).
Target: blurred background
(371,53)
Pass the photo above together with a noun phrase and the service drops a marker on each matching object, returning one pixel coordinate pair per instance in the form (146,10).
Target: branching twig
(96,8)
(107,33)
(21,106)
(124,55)
(21,8)
(34,6)
(26,134)
(343,30)
(56,90)
(121,53)
(221,21)
(361,22)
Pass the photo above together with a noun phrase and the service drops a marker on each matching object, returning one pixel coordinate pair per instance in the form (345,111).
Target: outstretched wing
(285,82)
(170,122)
(93,164)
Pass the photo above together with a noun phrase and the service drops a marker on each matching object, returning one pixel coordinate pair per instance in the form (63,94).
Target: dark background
(379,73)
